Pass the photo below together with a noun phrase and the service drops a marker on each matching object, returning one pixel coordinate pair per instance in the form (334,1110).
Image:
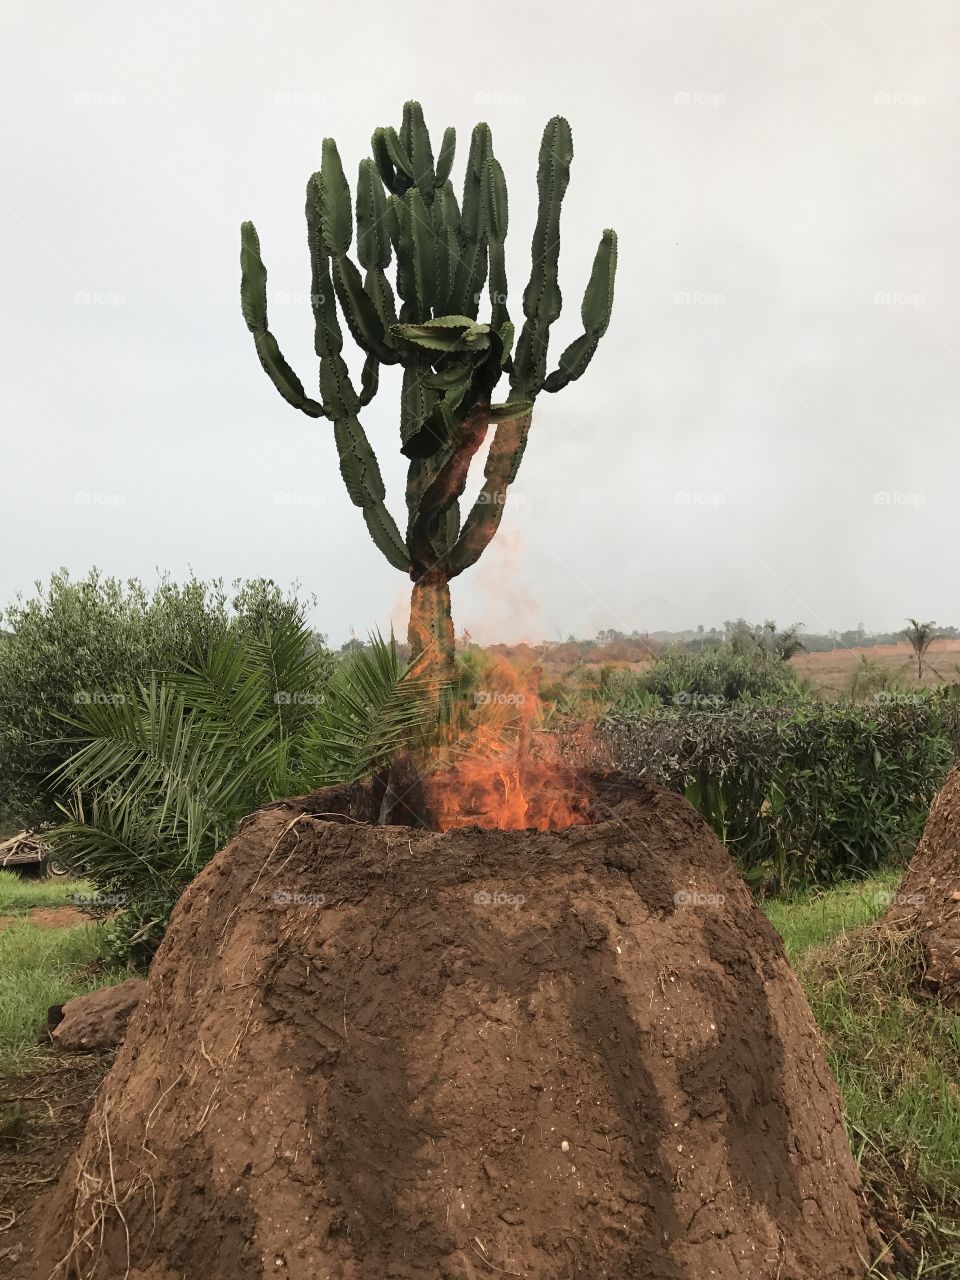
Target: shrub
(162,774)
(710,677)
(804,793)
(76,642)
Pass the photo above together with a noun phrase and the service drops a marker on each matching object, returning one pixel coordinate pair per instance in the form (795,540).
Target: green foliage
(871,679)
(801,793)
(161,774)
(447,255)
(40,967)
(76,642)
(714,677)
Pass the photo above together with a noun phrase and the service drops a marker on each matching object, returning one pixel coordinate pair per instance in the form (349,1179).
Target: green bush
(74,643)
(805,793)
(709,678)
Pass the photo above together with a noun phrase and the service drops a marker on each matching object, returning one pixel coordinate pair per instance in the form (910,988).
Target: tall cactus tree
(447,256)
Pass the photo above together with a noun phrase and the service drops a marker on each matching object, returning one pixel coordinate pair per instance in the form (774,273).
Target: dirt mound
(372,1052)
(928,899)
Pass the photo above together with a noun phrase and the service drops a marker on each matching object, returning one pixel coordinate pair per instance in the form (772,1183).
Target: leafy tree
(74,641)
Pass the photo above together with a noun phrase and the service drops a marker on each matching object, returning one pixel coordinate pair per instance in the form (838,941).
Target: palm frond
(373,706)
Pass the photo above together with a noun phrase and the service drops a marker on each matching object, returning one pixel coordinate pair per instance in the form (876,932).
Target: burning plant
(447,255)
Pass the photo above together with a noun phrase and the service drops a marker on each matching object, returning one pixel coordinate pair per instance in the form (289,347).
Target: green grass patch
(896,1057)
(40,967)
(24,893)
(813,918)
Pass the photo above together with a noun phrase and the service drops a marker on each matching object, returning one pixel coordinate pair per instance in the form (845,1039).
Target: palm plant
(162,774)
(920,636)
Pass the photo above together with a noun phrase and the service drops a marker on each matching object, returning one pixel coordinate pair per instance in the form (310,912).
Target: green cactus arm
(253,303)
(417,401)
(386,536)
(472,267)
(448,149)
(419,241)
(502,465)
(373,236)
(340,400)
(393,179)
(381,295)
(595,313)
(495,200)
(399,157)
(420,151)
(336,215)
(364,484)
(542,300)
(282,376)
(327,339)
(369,379)
(360,312)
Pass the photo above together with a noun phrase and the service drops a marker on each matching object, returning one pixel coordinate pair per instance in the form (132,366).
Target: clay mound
(370,1052)
(928,899)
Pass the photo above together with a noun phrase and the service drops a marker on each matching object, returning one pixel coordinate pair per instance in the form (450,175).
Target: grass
(812,919)
(24,893)
(896,1058)
(42,966)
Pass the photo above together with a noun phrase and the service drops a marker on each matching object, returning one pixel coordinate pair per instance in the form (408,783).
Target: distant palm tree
(920,636)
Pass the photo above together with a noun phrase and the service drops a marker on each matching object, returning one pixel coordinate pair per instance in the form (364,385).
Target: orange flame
(496,789)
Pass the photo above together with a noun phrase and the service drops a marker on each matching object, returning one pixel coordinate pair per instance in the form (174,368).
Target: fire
(501,788)
(507,796)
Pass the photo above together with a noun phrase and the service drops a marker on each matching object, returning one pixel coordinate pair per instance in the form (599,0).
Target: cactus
(446,255)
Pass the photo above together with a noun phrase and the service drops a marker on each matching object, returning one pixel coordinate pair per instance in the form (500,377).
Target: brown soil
(928,899)
(48,918)
(42,1117)
(373,1052)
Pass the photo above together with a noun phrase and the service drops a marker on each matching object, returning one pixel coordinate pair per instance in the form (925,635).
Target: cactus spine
(446,255)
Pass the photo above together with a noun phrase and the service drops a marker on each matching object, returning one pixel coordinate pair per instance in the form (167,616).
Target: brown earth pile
(928,899)
(371,1052)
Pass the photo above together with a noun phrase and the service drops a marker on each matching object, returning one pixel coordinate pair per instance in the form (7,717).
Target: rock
(98,1021)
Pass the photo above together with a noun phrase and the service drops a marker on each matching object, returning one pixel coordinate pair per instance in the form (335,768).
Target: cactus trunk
(430,633)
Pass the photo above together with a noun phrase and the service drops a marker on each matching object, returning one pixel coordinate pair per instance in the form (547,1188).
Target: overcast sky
(769,427)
